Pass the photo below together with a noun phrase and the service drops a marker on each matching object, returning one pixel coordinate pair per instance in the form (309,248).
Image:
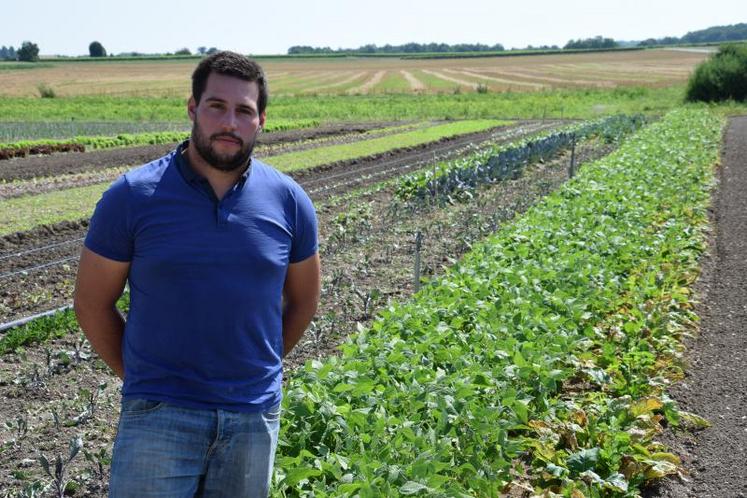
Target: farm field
(353,76)
(539,353)
(351,230)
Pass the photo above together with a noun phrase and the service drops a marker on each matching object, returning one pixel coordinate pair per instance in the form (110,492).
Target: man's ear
(191,106)
(262,118)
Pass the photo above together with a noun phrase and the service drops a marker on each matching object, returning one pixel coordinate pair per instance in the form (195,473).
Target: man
(220,251)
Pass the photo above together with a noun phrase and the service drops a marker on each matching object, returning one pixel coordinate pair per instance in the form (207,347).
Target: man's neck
(220,181)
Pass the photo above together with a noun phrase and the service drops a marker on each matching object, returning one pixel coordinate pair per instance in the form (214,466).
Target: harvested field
(370,75)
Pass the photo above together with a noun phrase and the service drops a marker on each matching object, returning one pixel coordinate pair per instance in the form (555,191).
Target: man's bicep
(100,279)
(303,280)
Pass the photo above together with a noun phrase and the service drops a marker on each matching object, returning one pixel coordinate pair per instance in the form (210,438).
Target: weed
(46,91)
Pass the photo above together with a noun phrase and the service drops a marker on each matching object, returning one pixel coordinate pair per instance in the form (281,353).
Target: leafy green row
(536,365)
(152,138)
(47,327)
(506,161)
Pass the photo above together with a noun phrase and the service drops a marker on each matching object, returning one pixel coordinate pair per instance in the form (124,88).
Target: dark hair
(230,64)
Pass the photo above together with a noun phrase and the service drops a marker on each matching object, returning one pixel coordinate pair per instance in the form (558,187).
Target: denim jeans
(163,450)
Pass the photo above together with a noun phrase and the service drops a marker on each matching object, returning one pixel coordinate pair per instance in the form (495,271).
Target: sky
(67,27)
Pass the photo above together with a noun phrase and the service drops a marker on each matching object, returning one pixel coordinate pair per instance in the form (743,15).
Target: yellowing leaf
(646,405)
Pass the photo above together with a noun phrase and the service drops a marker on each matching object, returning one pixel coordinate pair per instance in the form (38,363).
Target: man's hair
(230,64)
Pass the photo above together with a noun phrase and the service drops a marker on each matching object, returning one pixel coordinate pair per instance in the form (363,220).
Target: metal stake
(572,167)
(418,245)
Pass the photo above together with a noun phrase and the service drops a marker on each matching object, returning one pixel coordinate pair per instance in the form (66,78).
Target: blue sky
(270,27)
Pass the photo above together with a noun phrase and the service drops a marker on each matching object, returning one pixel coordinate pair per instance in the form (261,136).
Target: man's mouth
(228,139)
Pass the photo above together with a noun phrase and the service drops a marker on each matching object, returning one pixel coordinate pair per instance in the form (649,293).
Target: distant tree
(12,54)
(4,53)
(211,51)
(29,52)
(590,43)
(183,51)
(201,50)
(96,49)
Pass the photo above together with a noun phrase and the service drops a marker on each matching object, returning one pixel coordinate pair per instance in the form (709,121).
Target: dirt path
(716,382)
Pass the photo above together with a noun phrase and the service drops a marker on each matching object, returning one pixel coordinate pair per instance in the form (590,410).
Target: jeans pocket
(134,407)
(272,414)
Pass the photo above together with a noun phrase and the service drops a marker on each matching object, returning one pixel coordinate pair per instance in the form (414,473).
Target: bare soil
(715,386)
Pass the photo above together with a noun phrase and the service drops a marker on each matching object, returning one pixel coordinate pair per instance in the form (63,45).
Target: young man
(220,251)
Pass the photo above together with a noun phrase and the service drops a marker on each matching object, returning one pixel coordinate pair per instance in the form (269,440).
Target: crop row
(506,161)
(14,131)
(47,146)
(538,364)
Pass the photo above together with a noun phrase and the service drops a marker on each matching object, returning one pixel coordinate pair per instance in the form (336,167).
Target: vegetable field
(510,250)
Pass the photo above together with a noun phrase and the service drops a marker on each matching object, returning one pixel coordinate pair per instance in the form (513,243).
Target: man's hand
(99,284)
(300,299)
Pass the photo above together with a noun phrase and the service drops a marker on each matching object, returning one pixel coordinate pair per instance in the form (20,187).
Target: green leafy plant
(539,362)
(59,479)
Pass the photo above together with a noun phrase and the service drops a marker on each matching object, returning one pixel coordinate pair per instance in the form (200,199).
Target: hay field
(348,76)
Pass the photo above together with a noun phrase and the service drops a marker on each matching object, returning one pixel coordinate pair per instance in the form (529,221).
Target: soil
(715,386)
(59,390)
(37,267)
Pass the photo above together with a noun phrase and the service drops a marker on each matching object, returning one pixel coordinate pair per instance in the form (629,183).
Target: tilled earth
(716,383)
(38,266)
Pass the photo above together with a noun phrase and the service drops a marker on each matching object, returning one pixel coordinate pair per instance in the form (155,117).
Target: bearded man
(220,252)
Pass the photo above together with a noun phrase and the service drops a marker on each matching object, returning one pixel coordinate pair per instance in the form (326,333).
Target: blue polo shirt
(206,277)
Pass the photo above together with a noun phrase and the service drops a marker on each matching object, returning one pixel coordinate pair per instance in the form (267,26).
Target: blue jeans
(168,451)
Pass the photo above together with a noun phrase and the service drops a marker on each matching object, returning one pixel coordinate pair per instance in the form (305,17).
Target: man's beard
(223,162)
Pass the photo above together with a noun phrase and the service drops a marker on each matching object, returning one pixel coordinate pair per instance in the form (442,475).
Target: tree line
(407,48)
(714,34)
(29,52)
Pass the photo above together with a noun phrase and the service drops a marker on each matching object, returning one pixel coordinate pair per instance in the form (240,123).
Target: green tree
(722,77)
(96,49)
(29,52)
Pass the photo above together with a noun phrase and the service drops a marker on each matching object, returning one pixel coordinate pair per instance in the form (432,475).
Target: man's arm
(300,299)
(99,284)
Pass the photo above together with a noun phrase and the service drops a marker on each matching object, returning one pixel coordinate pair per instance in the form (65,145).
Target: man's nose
(229,120)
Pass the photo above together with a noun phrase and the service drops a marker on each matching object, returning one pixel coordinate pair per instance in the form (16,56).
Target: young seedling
(99,460)
(91,398)
(59,481)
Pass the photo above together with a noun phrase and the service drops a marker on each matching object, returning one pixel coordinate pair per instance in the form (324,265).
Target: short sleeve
(109,233)
(305,234)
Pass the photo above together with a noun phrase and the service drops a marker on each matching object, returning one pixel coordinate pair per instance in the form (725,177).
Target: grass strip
(538,364)
(293,161)
(565,103)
